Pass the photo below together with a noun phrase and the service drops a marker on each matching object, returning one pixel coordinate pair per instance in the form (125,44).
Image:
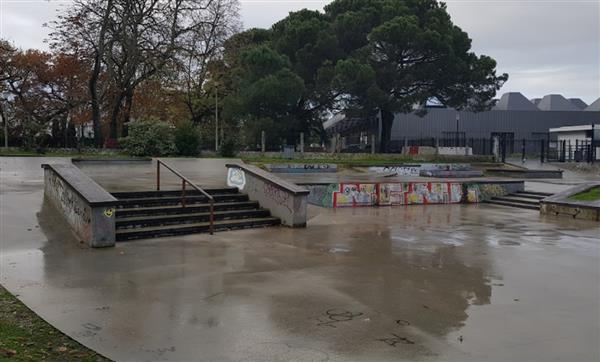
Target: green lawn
(26,337)
(592,194)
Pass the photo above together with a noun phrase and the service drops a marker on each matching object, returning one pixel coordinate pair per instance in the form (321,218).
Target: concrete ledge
(524,173)
(416,169)
(111,160)
(302,167)
(450,174)
(86,206)
(560,204)
(369,194)
(284,199)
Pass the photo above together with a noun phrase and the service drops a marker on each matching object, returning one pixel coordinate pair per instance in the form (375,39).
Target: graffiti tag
(396,339)
(333,316)
(236,178)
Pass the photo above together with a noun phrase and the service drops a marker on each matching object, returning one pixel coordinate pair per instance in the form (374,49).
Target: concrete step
(173,193)
(192,218)
(533,194)
(164,231)
(517,199)
(178,209)
(176,200)
(513,204)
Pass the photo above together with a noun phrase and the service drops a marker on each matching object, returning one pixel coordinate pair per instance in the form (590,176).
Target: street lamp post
(457,120)
(216,119)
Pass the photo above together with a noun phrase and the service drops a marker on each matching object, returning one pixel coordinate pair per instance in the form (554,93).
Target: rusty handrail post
(212,216)
(157,175)
(183,193)
(184,181)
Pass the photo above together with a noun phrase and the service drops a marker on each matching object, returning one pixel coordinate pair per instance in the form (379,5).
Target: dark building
(514,117)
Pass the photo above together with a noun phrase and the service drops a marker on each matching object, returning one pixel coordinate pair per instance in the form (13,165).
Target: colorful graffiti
(419,193)
(415,170)
(387,194)
(405,193)
(355,195)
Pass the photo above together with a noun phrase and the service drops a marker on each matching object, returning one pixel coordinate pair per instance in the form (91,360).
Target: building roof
(579,103)
(514,101)
(556,102)
(535,101)
(587,127)
(594,107)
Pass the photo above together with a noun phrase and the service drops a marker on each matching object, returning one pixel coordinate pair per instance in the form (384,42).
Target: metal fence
(544,149)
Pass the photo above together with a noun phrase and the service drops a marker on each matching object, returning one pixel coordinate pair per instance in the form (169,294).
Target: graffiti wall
(415,170)
(385,194)
(406,193)
(75,210)
(301,167)
(355,195)
(69,191)
(284,200)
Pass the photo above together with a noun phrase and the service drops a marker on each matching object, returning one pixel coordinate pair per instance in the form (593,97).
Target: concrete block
(283,199)
(85,205)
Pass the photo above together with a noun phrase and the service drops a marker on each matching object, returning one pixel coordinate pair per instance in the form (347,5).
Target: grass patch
(26,337)
(592,194)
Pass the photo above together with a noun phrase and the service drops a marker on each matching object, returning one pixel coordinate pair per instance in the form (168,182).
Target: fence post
(302,142)
(593,146)
(373,144)
(542,153)
(262,141)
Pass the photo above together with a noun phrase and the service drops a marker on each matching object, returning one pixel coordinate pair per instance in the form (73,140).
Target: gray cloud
(546,46)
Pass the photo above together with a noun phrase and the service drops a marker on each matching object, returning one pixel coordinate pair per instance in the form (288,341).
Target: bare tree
(82,30)
(132,41)
(202,47)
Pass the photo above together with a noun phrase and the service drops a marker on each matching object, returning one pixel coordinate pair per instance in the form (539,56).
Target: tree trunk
(95,105)
(127,112)
(114,117)
(387,120)
(95,76)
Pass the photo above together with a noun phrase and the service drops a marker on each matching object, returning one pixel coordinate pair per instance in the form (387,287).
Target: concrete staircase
(523,199)
(152,214)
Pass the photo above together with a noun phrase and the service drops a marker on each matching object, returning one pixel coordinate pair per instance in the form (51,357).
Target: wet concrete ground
(439,282)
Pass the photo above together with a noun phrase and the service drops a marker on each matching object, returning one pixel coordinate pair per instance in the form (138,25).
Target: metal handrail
(185,180)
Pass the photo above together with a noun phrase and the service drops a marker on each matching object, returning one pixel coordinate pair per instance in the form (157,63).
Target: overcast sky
(546,46)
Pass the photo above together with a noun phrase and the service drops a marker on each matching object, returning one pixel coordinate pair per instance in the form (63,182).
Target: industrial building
(514,118)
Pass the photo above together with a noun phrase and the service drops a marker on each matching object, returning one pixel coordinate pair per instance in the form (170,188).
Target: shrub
(228,147)
(149,137)
(187,139)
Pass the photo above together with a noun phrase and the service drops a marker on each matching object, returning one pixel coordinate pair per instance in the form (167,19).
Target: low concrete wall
(301,167)
(408,193)
(416,169)
(458,151)
(85,205)
(524,173)
(561,204)
(283,199)
(451,173)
